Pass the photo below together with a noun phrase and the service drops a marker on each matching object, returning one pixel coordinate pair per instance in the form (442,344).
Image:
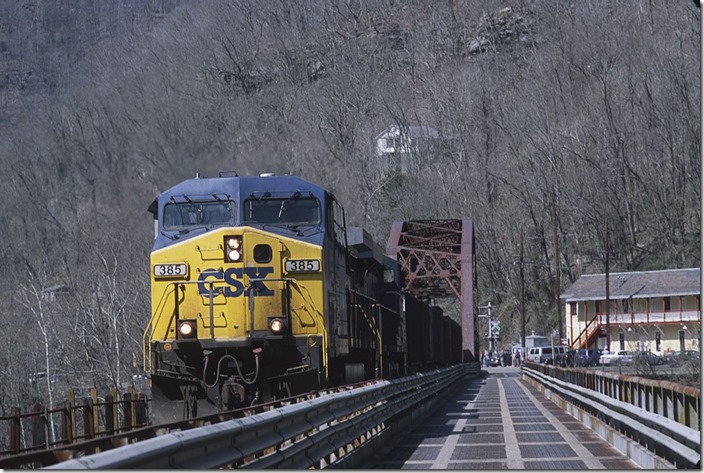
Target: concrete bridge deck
(500,422)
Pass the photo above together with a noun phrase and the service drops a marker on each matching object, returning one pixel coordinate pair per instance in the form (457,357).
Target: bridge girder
(437,260)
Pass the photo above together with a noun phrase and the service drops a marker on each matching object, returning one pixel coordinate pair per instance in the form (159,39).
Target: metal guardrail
(71,421)
(677,402)
(660,416)
(314,433)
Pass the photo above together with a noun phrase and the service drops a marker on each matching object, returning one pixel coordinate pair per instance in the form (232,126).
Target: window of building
(573,309)
(667,304)
(682,340)
(653,305)
(622,341)
(658,340)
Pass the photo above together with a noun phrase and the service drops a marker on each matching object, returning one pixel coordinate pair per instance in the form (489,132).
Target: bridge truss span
(437,259)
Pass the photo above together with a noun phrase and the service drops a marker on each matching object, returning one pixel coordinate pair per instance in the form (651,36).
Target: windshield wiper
(294,228)
(171,237)
(193,229)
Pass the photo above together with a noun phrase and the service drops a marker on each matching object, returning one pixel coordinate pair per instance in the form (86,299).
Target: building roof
(637,285)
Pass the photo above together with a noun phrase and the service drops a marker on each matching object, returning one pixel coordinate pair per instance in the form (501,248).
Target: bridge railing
(662,416)
(314,433)
(71,421)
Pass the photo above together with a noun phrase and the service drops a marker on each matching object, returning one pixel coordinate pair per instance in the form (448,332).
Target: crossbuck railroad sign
(494,328)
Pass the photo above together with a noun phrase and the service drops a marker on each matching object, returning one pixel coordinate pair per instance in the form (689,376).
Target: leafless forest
(105,104)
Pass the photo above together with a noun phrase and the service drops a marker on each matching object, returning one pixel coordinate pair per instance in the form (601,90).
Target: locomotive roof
(237,188)
(241,187)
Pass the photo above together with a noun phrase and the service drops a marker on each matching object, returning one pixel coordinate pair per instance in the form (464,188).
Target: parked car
(495,359)
(685,356)
(588,357)
(643,359)
(620,357)
(546,355)
(568,360)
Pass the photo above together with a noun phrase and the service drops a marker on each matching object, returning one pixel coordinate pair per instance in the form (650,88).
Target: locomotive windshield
(185,215)
(282,211)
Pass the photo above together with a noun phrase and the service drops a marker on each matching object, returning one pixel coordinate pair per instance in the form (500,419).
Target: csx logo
(233,277)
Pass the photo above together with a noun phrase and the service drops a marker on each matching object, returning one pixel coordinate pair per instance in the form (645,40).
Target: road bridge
(499,421)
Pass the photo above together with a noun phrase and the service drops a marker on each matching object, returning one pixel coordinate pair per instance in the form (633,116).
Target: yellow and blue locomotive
(257,293)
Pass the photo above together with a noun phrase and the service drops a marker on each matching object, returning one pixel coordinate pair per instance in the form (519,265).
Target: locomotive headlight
(233,249)
(277,326)
(187,328)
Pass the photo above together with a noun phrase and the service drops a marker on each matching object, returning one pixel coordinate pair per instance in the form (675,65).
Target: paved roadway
(500,422)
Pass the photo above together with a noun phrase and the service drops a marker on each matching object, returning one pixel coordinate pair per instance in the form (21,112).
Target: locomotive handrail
(313,433)
(321,320)
(319,314)
(147,353)
(373,326)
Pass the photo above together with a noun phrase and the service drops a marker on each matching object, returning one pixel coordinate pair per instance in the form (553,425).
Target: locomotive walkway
(500,422)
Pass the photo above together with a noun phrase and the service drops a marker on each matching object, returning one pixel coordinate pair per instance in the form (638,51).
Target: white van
(545,354)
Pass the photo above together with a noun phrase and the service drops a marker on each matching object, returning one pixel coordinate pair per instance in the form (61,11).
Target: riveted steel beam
(437,260)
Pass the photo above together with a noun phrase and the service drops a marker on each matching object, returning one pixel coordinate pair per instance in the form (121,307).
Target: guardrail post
(66,425)
(660,404)
(109,414)
(15,431)
(116,408)
(691,408)
(72,414)
(88,429)
(127,422)
(96,411)
(140,410)
(38,429)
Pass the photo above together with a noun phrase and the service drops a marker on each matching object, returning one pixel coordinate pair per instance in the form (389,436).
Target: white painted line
(448,448)
(513,452)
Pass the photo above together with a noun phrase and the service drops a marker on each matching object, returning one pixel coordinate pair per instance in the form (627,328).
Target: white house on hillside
(397,143)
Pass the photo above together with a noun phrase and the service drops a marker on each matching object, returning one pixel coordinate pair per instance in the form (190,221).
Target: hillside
(104,104)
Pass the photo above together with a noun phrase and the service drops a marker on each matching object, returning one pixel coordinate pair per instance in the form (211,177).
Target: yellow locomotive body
(201,272)
(238,296)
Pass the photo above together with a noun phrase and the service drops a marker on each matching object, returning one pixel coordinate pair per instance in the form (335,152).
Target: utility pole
(523,299)
(557,264)
(608,295)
